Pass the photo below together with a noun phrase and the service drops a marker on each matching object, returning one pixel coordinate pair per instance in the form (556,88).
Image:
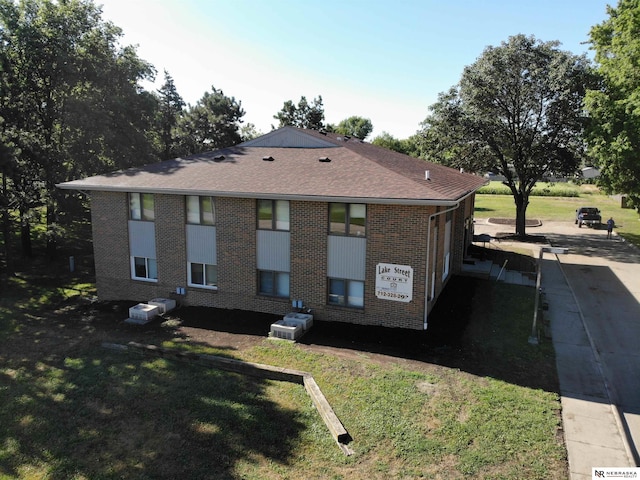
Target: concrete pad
(597,427)
(580,476)
(583,457)
(566,327)
(578,372)
(138,321)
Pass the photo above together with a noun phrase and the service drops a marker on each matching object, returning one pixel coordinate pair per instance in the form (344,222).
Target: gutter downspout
(427,284)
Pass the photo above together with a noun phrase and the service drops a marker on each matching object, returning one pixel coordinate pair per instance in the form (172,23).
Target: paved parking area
(594,307)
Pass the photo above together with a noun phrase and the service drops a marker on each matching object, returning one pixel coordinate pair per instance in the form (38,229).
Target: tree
(304,115)
(170,109)
(408,146)
(388,141)
(213,123)
(614,106)
(71,103)
(355,126)
(518,111)
(249,132)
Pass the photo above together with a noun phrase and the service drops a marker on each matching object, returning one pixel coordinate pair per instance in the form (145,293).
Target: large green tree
(518,111)
(614,107)
(304,115)
(408,146)
(355,126)
(71,104)
(212,123)
(170,110)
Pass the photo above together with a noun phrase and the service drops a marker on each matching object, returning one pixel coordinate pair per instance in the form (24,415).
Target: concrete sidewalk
(594,434)
(593,295)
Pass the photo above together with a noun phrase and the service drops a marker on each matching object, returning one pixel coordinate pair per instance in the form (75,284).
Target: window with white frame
(141,207)
(346,293)
(348,219)
(273,215)
(200,210)
(144,268)
(203,275)
(273,284)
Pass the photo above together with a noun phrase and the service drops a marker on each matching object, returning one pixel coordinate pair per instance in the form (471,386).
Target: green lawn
(562,209)
(73,410)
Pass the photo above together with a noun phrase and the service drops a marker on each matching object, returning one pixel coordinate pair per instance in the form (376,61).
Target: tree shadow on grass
(83,411)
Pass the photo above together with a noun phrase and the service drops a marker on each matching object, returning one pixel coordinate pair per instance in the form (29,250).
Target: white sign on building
(394,282)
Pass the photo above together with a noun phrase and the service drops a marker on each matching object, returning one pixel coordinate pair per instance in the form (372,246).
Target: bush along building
(355,232)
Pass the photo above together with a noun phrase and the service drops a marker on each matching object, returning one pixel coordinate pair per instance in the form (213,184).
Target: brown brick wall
(170,243)
(309,254)
(109,223)
(110,215)
(395,234)
(237,271)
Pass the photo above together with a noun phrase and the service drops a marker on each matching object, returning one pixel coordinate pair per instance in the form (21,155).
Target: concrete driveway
(594,297)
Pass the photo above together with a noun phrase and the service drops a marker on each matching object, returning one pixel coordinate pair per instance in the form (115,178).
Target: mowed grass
(563,209)
(74,410)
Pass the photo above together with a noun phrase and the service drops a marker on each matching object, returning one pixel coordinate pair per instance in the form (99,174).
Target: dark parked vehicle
(588,216)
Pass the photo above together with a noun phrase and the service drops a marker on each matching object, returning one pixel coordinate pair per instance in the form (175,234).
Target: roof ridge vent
(324,159)
(268,159)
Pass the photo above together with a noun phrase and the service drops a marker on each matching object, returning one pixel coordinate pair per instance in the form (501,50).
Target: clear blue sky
(384,60)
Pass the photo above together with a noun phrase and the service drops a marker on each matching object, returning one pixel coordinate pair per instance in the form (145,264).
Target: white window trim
(347,296)
(133,269)
(198,285)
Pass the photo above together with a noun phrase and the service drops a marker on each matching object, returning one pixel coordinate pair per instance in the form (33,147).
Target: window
(141,206)
(273,214)
(347,219)
(203,275)
(144,268)
(346,293)
(274,284)
(200,210)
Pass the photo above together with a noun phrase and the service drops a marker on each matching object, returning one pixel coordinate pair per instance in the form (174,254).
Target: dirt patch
(82,320)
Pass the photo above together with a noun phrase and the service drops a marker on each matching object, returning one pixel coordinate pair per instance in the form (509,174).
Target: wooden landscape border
(331,420)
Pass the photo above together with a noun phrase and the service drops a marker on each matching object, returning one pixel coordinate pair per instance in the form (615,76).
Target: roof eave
(270,196)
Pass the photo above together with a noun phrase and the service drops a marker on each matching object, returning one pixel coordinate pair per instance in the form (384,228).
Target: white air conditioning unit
(143,312)
(164,304)
(286,330)
(305,320)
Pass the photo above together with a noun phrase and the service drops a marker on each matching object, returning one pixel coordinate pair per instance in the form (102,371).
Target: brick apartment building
(357,233)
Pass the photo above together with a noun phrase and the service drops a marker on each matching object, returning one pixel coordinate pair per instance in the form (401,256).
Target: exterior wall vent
(324,159)
(268,159)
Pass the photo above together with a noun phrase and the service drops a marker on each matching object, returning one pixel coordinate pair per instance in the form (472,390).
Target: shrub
(540,190)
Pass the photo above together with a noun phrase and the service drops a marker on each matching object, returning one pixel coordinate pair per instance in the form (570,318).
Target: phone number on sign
(399,296)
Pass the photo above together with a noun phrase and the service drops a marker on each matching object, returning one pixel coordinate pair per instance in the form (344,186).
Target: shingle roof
(350,169)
